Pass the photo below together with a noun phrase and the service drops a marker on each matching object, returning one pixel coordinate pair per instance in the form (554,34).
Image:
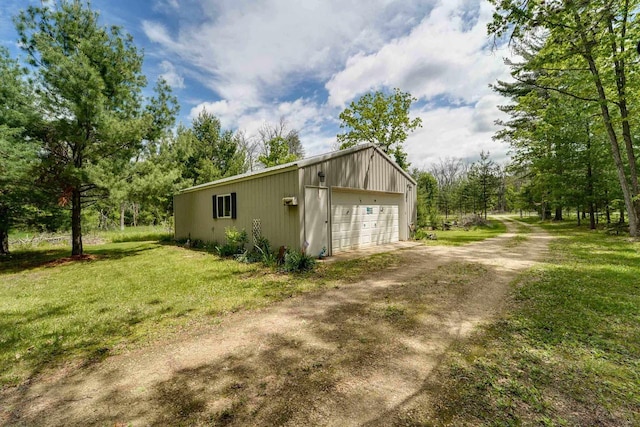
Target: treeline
(81,147)
(559,176)
(453,188)
(573,124)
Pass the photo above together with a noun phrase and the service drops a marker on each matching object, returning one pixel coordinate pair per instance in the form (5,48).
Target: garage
(360,219)
(330,203)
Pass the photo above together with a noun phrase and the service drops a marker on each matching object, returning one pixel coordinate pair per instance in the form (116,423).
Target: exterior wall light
(321,176)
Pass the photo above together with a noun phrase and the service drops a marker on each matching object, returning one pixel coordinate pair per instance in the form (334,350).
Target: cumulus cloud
(446,54)
(171,75)
(254,57)
(239,45)
(455,132)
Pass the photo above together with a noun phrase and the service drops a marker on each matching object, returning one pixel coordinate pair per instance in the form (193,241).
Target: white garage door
(359,220)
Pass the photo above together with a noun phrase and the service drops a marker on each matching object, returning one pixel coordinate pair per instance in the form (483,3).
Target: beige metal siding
(259,198)
(366,170)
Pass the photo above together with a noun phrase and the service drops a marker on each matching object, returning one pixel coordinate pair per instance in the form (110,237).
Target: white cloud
(171,75)
(445,55)
(249,49)
(461,132)
(252,55)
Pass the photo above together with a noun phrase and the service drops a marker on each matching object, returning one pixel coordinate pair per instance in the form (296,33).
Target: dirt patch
(346,356)
(71,259)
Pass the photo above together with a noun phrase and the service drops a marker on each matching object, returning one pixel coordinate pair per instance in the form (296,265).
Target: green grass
(134,234)
(26,240)
(569,351)
(459,236)
(130,293)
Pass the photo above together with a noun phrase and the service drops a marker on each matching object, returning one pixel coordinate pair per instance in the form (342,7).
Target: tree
(276,152)
(448,172)
(268,132)
(583,50)
(18,154)
(23,200)
(558,143)
(88,80)
(249,145)
(122,179)
(382,120)
(278,144)
(207,152)
(427,198)
(484,174)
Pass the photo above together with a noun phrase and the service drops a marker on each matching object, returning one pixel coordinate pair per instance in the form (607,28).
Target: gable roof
(297,164)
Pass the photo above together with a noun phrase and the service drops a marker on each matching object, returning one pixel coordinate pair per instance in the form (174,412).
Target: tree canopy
(88,81)
(583,51)
(382,120)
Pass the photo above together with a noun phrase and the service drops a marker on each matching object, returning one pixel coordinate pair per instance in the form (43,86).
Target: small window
(224,206)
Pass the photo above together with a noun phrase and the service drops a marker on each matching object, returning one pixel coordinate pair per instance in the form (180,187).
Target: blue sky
(251,62)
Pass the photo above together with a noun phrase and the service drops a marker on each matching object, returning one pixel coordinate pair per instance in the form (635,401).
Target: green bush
(296,261)
(261,252)
(234,244)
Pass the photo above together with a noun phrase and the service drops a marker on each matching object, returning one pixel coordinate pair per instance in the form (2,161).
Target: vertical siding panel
(258,198)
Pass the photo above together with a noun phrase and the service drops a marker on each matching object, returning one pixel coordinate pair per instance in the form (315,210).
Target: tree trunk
(578,216)
(621,216)
(558,215)
(592,217)
(76,222)
(122,210)
(135,214)
(621,85)
(4,242)
(613,137)
(4,231)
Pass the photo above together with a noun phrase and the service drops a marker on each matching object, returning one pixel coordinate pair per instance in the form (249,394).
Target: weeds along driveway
(343,356)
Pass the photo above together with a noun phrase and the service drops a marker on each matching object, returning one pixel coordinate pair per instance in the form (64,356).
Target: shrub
(234,244)
(296,261)
(261,252)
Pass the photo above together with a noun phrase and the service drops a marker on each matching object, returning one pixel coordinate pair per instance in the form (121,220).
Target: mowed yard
(565,352)
(54,309)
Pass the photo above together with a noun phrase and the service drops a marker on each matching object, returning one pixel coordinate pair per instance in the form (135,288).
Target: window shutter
(234,209)
(215,206)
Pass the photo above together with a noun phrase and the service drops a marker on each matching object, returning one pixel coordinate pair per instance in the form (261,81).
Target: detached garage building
(338,201)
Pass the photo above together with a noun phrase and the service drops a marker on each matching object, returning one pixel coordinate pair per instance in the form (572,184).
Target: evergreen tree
(88,80)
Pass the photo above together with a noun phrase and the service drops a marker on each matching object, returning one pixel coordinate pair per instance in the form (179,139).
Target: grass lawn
(459,236)
(54,310)
(567,352)
(20,240)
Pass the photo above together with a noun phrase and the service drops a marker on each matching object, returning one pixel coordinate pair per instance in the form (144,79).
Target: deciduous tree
(382,120)
(583,50)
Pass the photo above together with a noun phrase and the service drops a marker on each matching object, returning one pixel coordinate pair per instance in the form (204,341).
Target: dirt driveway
(345,356)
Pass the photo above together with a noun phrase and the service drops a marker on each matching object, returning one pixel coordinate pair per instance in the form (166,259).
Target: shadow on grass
(20,261)
(324,377)
(289,378)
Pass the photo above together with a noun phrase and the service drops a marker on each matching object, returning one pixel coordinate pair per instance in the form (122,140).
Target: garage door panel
(364,224)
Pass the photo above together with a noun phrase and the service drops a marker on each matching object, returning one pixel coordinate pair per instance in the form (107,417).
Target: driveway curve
(338,357)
